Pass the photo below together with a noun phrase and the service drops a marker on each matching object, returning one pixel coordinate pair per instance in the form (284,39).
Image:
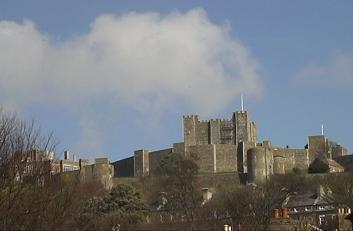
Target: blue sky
(110,77)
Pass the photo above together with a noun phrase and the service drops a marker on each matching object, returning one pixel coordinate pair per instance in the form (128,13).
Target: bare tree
(339,190)
(250,206)
(19,142)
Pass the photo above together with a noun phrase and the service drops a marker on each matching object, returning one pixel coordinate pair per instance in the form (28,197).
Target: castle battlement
(190,117)
(219,130)
(222,145)
(225,120)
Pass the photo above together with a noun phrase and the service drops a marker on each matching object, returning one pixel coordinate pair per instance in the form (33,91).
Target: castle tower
(260,164)
(141,162)
(240,120)
(318,147)
(189,123)
(244,130)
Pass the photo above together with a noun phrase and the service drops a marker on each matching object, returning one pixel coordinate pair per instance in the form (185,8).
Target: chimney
(285,213)
(206,194)
(66,155)
(227,228)
(277,215)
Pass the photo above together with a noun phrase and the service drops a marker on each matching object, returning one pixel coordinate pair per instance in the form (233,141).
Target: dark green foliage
(179,182)
(319,165)
(123,206)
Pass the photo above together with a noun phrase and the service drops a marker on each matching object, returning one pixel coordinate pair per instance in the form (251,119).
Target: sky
(110,77)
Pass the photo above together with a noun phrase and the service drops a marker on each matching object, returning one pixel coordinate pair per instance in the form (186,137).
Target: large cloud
(146,62)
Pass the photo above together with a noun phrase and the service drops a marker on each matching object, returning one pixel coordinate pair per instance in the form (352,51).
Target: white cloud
(147,62)
(336,72)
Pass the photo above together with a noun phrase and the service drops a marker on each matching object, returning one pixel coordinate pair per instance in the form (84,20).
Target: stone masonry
(220,146)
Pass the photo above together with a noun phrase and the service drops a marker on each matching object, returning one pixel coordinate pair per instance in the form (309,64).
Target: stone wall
(189,124)
(226,132)
(318,147)
(141,163)
(252,132)
(279,165)
(219,131)
(292,158)
(241,126)
(226,160)
(215,131)
(302,159)
(214,158)
(210,158)
(101,170)
(124,167)
(148,185)
(204,156)
(242,150)
(260,164)
(338,151)
(179,148)
(223,145)
(155,159)
(202,132)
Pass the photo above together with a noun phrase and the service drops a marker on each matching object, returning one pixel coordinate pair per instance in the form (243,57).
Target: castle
(230,147)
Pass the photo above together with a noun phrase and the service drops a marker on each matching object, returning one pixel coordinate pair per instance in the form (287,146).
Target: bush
(319,165)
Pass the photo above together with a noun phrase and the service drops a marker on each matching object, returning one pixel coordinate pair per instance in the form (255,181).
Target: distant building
(68,164)
(35,160)
(230,146)
(311,210)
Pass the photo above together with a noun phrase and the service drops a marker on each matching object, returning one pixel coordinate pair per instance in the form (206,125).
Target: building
(230,146)
(68,164)
(35,160)
(311,210)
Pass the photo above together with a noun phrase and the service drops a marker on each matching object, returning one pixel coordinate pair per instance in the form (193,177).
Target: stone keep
(219,131)
(244,130)
(215,144)
(230,146)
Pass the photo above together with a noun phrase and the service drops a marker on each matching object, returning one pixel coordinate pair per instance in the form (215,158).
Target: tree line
(33,198)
